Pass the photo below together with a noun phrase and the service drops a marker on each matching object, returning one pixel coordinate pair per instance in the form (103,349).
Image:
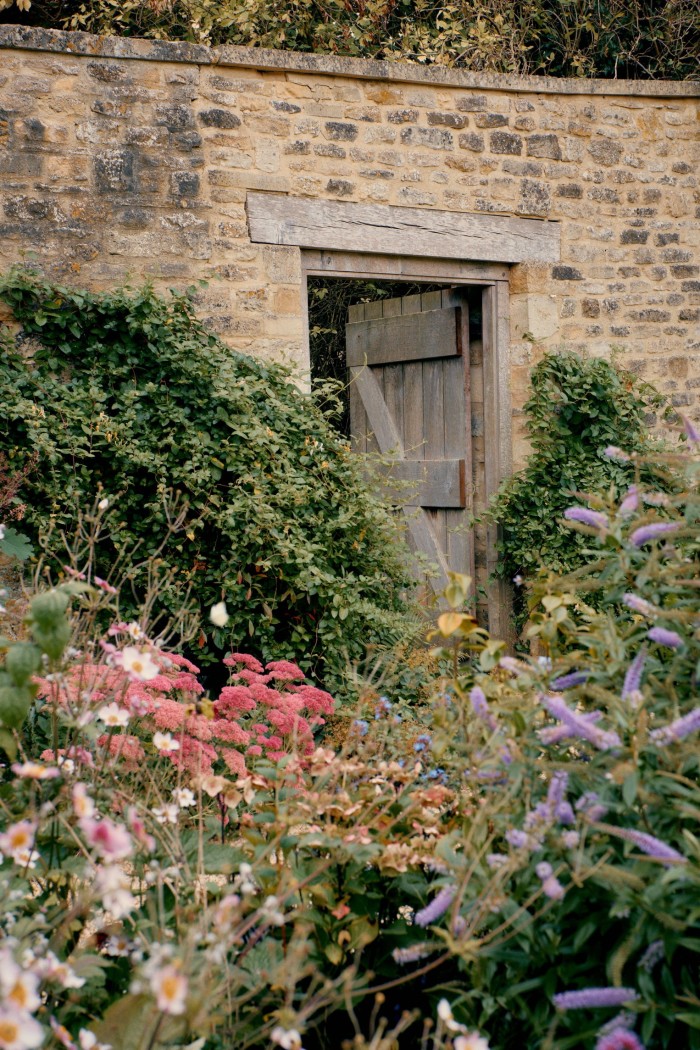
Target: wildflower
(23,992)
(552,888)
(62,973)
(170,989)
(83,806)
(62,1035)
(444,1012)
(168,814)
(103,504)
(579,726)
(165,742)
(651,532)
(570,681)
(270,911)
(570,839)
(360,726)
(118,946)
(213,785)
(287,1038)
(184,797)
(218,614)
(633,677)
(112,841)
(691,430)
(481,708)
(594,998)
(113,889)
(103,585)
(590,806)
(18,839)
(677,730)
(497,860)
(648,844)
(518,839)
(437,907)
(87,1040)
(113,715)
(613,452)
(662,636)
(639,605)
(630,503)
(619,1039)
(471,1041)
(594,518)
(414,953)
(422,742)
(35,771)
(19,1030)
(139,665)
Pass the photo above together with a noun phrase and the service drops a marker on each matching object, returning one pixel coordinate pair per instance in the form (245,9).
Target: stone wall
(124,158)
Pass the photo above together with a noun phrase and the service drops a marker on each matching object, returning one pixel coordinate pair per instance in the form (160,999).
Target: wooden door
(408,361)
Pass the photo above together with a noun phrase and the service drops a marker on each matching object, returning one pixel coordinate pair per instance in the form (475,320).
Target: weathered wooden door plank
(412,337)
(277,218)
(425,483)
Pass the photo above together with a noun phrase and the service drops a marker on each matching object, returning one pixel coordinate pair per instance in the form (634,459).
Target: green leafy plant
(578,408)
(568,38)
(126,399)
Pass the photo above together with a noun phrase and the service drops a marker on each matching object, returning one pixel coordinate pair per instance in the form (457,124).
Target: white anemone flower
(165,742)
(137,664)
(19,1030)
(287,1038)
(170,989)
(445,1014)
(113,715)
(472,1041)
(218,614)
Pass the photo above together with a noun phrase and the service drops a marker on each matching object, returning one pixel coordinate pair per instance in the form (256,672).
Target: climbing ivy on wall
(578,408)
(126,395)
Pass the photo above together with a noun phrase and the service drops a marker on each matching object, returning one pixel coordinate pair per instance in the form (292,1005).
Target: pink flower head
(245,660)
(284,671)
(619,1039)
(104,586)
(112,841)
(138,829)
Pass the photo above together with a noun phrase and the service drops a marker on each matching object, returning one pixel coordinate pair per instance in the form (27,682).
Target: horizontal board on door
(423,482)
(407,337)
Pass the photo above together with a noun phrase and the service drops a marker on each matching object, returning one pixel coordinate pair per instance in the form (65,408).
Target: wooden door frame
(494,279)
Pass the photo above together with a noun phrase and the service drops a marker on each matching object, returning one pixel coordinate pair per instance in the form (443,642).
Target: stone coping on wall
(54,40)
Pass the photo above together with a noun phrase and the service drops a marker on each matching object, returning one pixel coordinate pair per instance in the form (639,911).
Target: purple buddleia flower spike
(639,605)
(647,533)
(613,452)
(595,518)
(480,707)
(579,726)
(437,907)
(662,636)
(557,788)
(648,844)
(570,680)
(555,734)
(630,501)
(677,730)
(633,678)
(691,430)
(594,998)
(564,813)
(619,1038)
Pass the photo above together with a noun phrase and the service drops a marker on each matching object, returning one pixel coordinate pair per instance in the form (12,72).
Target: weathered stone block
(506,142)
(472,141)
(341,132)
(430,138)
(450,120)
(544,146)
(219,118)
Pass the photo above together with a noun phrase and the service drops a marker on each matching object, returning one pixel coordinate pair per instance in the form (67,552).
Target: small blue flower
(360,726)
(422,742)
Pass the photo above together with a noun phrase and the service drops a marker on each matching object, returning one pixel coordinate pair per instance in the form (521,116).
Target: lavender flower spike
(678,730)
(630,502)
(557,788)
(570,680)
(651,532)
(691,430)
(613,452)
(662,636)
(596,519)
(481,708)
(437,907)
(579,726)
(633,678)
(594,998)
(639,605)
(648,844)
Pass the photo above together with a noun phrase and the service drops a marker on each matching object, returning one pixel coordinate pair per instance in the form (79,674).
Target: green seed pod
(47,610)
(22,661)
(15,702)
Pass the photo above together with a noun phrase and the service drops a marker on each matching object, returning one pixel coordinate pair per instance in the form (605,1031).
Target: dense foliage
(522,862)
(214,460)
(578,408)
(589,38)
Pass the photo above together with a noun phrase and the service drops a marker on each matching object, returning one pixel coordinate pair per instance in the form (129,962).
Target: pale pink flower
(165,742)
(83,806)
(19,837)
(113,889)
(137,664)
(472,1041)
(167,814)
(184,797)
(19,1030)
(112,841)
(35,770)
(103,585)
(287,1038)
(170,989)
(23,992)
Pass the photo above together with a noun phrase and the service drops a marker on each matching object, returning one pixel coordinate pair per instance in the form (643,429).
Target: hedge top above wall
(31,39)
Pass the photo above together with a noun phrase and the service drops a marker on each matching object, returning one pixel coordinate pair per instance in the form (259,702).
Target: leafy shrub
(578,408)
(601,734)
(125,397)
(604,38)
